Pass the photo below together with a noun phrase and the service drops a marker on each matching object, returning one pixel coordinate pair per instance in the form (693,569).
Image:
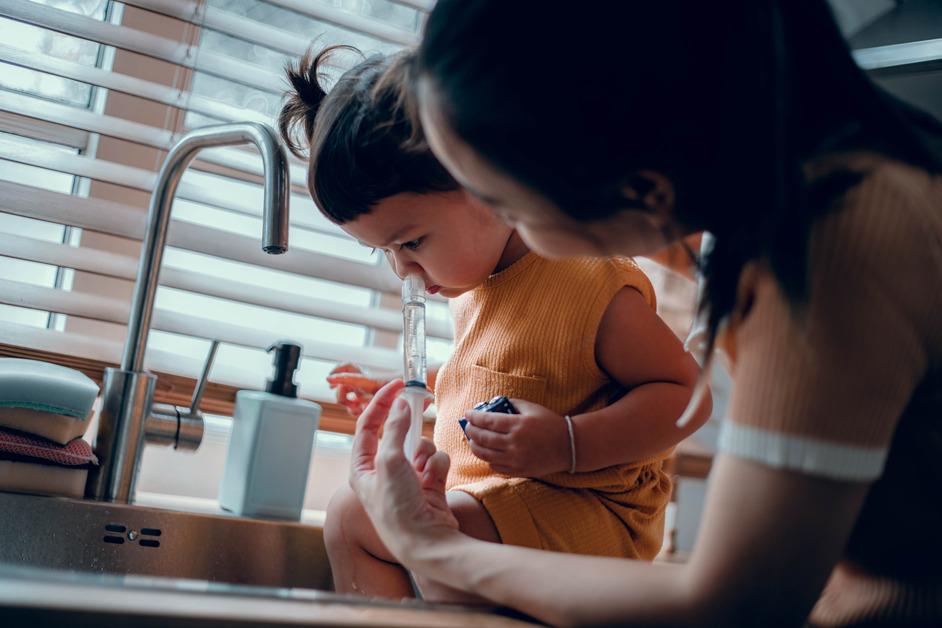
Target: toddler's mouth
(433,289)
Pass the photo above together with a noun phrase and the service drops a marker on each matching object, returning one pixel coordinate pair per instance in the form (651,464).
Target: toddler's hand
(354,387)
(531,444)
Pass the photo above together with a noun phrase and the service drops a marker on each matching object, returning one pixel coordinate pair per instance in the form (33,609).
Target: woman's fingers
(423,452)
(378,409)
(365,441)
(391,464)
(436,472)
(486,438)
(493,421)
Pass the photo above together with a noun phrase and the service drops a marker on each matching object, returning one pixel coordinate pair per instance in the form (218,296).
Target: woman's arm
(768,541)
(640,352)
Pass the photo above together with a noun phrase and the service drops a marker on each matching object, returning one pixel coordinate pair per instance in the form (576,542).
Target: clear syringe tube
(414,361)
(413,331)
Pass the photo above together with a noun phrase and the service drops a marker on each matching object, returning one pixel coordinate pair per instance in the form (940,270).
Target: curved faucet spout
(127,395)
(274,224)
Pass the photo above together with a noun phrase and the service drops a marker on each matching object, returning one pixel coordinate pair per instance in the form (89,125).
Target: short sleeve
(820,388)
(608,277)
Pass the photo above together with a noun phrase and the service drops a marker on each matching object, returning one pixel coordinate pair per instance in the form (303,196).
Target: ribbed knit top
(849,386)
(529,332)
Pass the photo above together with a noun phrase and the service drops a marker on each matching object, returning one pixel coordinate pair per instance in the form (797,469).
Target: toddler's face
(450,240)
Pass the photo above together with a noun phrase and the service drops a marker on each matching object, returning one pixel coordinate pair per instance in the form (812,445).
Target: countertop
(205,506)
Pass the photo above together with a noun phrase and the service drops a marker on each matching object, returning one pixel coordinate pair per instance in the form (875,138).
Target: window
(92,93)
(20,136)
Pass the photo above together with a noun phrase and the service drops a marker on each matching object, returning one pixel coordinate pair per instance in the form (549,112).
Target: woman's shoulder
(874,263)
(887,225)
(866,189)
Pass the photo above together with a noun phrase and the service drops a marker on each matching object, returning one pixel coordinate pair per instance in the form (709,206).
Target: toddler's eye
(412,244)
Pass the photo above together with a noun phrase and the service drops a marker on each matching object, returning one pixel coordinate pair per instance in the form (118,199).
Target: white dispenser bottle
(271,445)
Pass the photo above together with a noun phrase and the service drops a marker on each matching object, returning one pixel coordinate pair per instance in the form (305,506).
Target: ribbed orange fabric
(529,332)
(850,386)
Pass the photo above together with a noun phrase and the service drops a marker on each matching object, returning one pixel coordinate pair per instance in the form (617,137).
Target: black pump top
(287,356)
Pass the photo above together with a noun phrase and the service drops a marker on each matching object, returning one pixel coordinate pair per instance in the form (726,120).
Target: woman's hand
(405,502)
(353,386)
(531,444)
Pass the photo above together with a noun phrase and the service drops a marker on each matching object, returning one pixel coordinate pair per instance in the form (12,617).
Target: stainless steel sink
(32,596)
(108,538)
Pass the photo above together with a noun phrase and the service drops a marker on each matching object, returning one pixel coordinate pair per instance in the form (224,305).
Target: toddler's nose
(403,267)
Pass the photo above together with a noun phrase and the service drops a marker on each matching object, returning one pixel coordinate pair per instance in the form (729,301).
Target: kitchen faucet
(128,414)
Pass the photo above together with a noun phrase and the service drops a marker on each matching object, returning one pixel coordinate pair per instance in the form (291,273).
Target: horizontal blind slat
(127,221)
(87,120)
(347,20)
(304,212)
(32,128)
(116,311)
(128,85)
(235,70)
(231,24)
(421,5)
(125,267)
(105,350)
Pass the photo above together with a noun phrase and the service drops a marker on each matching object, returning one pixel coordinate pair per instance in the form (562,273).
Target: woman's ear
(653,190)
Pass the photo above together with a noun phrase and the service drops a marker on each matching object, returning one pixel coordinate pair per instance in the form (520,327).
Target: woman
(624,128)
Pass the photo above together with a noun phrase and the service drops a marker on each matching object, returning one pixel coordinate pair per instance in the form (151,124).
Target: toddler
(596,378)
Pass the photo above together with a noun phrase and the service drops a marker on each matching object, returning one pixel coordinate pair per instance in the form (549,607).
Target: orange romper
(529,332)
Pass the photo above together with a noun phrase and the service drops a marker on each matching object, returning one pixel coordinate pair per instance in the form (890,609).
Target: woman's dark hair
(362,143)
(729,99)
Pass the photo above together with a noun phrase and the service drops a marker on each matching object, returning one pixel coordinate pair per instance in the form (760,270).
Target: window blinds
(92,94)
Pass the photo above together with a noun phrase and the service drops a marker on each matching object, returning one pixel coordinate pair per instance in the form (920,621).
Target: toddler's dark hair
(361,140)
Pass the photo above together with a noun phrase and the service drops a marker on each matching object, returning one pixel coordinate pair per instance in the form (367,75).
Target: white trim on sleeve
(813,456)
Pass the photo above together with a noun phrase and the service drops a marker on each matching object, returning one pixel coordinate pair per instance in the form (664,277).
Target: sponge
(29,464)
(45,399)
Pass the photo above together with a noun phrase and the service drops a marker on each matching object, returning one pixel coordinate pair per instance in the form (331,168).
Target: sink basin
(31,596)
(106,538)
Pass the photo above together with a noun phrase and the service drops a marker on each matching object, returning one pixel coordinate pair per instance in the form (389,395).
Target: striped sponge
(45,399)
(30,464)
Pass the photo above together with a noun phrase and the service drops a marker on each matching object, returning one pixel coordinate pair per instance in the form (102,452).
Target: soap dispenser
(271,444)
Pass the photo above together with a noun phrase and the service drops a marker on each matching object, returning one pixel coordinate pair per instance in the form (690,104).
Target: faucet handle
(204,378)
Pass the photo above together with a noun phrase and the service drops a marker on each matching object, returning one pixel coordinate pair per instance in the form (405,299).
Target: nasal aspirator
(414,362)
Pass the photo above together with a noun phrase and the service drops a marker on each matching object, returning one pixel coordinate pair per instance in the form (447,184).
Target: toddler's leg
(359,561)
(474,521)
